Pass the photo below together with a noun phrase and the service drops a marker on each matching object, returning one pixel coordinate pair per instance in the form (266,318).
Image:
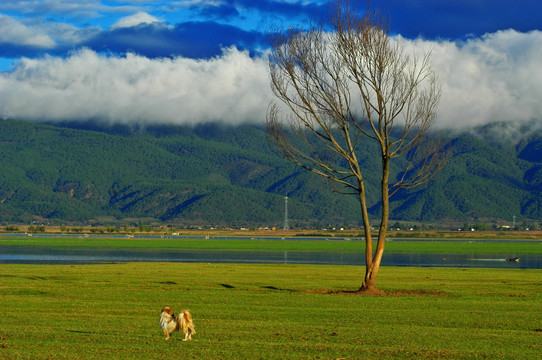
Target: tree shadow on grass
(378,292)
(79,331)
(373,292)
(274,288)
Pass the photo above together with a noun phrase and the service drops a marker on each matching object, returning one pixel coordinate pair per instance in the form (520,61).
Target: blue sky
(204,60)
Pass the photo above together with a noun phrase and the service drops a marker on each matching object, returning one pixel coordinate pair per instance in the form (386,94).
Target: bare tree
(345,82)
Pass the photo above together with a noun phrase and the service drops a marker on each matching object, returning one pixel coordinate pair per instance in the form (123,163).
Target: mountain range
(221,175)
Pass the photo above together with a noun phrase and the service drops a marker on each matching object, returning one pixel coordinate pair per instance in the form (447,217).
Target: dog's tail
(186,323)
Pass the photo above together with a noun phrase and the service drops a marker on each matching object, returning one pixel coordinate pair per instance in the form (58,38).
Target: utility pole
(286,225)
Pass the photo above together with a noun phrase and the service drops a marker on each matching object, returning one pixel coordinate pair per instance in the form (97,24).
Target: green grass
(531,247)
(245,311)
(148,245)
(158,244)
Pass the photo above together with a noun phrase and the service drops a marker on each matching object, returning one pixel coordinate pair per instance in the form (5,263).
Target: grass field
(243,311)
(262,244)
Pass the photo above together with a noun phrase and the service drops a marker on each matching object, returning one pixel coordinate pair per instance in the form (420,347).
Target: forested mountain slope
(223,175)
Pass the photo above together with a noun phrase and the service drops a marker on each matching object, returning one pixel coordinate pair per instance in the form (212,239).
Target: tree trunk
(369,283)
(373,266)
(366,225)
(368,236)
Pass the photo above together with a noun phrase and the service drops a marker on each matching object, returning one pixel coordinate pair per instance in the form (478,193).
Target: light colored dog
(183,322)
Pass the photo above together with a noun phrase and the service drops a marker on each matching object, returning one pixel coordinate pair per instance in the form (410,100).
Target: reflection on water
(44,255)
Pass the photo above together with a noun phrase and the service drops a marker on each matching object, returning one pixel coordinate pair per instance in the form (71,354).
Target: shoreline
(347,233)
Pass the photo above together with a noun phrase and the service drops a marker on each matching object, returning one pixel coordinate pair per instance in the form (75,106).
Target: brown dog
(183,322)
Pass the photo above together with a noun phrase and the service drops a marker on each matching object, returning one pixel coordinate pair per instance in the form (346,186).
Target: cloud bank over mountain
(496,77)
(194,61)
(231,88)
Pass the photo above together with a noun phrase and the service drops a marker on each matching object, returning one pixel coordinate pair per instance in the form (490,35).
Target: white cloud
(134,20)
(201,3)
(494,78)
(232,88)
(40,33)
(64,34)
(15,32)
(75,9)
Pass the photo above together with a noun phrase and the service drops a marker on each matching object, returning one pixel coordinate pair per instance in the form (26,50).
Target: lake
(82,255)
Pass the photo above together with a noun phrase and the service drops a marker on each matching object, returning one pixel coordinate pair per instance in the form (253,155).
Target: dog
(183,322)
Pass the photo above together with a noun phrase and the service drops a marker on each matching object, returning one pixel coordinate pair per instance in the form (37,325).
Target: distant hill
(228,176)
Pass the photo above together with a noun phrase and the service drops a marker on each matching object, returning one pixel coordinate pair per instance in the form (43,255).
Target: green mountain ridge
(228,176)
